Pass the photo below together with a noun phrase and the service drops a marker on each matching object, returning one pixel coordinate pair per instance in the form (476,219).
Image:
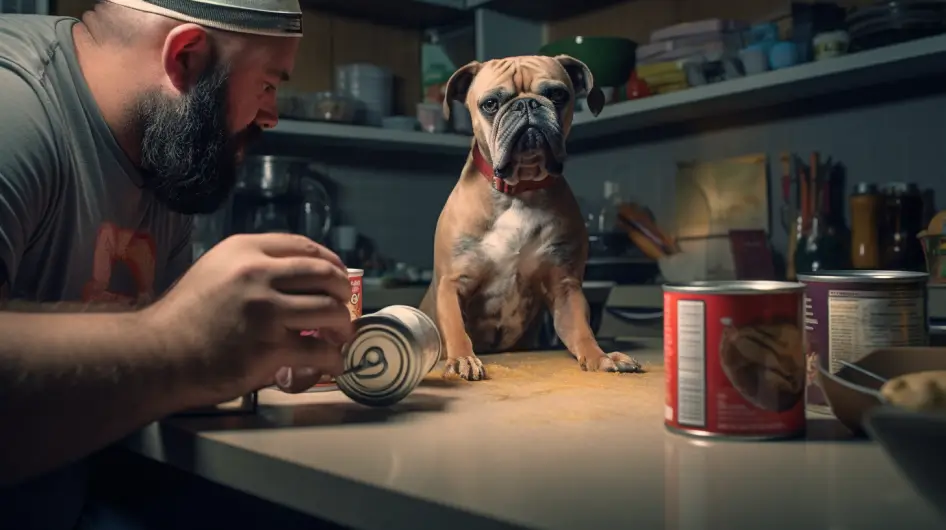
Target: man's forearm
(71,384)
(23,306)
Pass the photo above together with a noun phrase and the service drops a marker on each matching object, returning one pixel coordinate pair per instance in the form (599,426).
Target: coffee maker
(280,194)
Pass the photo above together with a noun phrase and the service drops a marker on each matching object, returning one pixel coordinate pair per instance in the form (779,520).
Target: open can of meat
(392,351)
(734,359)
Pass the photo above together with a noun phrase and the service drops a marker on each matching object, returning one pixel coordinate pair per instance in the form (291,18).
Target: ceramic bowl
(852,394)
(915,443)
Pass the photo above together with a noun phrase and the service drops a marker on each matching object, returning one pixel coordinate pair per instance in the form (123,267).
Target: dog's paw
(612,362)
(469,367)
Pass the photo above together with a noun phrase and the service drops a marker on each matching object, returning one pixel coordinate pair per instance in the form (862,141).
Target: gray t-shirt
(75,224)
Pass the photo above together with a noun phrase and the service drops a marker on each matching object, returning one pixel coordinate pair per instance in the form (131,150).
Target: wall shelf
(424,14)
(418,14)
(543,11)
(915,59)
(334,135)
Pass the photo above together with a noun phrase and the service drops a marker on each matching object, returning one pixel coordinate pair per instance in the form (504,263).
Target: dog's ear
(583,82)
(459,84)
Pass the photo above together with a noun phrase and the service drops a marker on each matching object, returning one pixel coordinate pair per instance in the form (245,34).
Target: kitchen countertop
(542,445)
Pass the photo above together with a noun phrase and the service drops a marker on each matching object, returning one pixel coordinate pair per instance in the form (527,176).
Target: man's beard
(188,156)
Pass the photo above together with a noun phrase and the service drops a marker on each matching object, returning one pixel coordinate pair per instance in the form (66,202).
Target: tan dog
(511,237)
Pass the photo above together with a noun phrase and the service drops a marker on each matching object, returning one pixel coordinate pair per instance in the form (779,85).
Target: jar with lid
(902,221)
(866,207)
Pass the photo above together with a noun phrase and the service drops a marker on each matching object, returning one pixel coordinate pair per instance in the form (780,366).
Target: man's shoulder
(28,42)
(23,112)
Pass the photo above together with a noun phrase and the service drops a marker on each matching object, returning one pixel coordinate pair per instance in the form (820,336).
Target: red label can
(734,359)
(355,278)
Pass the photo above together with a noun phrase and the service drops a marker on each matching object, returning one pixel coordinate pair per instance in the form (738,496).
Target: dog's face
(522,110)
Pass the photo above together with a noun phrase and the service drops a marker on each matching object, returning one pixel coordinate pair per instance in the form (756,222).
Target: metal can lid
(382,363)
(865,188)
(865,276)
(734,287)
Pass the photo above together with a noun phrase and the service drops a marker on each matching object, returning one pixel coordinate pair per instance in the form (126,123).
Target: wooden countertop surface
(542,445)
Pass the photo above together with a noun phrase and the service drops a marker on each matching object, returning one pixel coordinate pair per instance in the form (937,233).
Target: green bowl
(610,59)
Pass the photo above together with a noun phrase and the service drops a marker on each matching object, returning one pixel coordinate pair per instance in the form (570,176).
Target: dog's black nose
(523,104)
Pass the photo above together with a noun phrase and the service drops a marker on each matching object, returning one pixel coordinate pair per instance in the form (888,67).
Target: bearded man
(114,131)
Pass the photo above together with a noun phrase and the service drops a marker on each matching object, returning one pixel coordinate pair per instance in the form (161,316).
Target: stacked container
(371,85)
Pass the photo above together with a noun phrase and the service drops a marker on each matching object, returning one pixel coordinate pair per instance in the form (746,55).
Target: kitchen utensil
(914,441)
(851,393)
(610,59)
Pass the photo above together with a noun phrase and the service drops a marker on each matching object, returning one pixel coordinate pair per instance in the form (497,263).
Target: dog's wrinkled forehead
(520,75)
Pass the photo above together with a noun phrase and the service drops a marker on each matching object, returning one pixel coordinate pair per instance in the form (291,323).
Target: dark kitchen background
(718,111)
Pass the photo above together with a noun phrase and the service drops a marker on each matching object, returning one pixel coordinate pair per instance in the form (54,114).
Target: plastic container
(327,106)
(430,116)
(462,121)
(372,85)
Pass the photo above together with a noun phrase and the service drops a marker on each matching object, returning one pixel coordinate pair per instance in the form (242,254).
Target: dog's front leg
(571,319)
(461,360)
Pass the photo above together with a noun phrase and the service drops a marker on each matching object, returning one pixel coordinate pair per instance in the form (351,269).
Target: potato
(918,392)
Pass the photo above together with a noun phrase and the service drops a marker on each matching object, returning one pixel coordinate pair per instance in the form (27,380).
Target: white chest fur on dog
(517,243)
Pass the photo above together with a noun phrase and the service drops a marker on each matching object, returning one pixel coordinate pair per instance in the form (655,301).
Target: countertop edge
(305,489)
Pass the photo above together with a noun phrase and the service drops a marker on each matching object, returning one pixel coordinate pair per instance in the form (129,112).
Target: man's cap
(276,18)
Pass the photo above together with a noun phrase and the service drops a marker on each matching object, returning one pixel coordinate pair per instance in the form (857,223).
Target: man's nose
(267,118)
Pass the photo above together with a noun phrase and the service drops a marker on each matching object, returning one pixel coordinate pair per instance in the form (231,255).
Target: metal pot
(276,176)
(270,175)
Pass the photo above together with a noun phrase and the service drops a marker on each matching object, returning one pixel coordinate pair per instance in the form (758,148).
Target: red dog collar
(500,185)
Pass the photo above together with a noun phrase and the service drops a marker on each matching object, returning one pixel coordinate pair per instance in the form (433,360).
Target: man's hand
(239,311)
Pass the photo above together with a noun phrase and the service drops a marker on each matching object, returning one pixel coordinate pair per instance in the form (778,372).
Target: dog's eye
(558,96)
(490,105)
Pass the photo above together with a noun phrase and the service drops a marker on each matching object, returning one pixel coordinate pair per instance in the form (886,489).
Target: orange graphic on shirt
(135,250)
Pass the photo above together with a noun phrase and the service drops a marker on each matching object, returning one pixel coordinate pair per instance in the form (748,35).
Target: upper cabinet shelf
(916,59)
(306,135)
(545,10)
(420,14)
(423,14)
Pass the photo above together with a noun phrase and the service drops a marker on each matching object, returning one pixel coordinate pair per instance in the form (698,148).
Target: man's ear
(583,82)
(187,52)
(459,85)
